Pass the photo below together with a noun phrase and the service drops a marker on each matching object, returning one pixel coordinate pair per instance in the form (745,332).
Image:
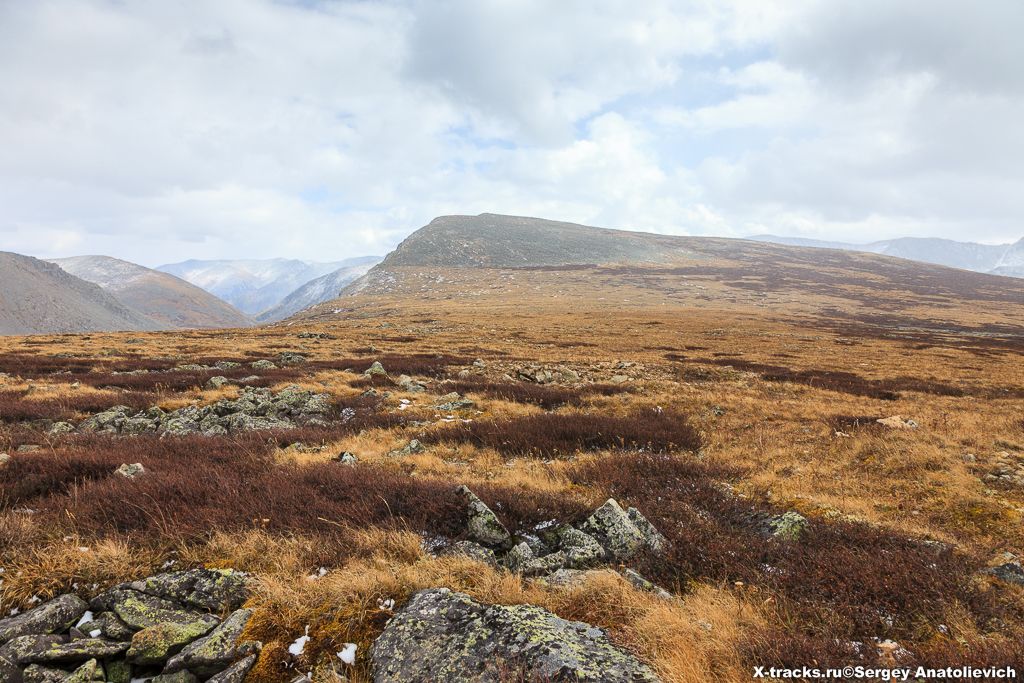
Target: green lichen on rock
(49,649)
(215,590)
(789,526)
(445,637)
(215,651)
(614,530)
(155,644)
(484,525)
(50,617)
(581,549)
(87,673)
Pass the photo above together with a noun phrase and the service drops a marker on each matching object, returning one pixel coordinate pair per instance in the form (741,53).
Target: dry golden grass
(786,441)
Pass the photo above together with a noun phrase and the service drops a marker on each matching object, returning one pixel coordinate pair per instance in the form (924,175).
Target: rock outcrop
(165,628)
(255,409)
(443,636)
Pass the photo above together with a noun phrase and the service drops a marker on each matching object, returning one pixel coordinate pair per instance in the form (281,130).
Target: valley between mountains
(523,450)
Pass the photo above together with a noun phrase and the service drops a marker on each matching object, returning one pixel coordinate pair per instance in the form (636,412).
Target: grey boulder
(445,637)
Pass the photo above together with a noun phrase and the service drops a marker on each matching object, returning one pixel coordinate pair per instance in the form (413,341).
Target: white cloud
(161,131)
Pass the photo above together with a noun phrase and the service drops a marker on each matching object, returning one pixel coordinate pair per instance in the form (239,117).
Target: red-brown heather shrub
(17,405)
(193,485)
(553,434)
(847,580)
(836,380)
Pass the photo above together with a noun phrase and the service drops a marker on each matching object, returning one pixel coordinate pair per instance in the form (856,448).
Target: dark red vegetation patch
(545,396)
(841,580)
(194,485)
(836,380)
(561,434)
(18,405)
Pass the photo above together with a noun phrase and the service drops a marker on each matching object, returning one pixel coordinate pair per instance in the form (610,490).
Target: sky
(159,130)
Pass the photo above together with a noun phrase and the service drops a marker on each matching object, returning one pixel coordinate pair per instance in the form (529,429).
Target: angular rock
(519,557)
(59,428)
(413,447)
(638,581)
(475,551)
(213,652)
(153,645)
(87,673)
(262,365)
(118,671)
(216,382)
(130,471)
(1011,572)
(235,673)
(407,383)
(139,614)
(655,541)
(376,370)
(44,649)
(544,565)
(37,673)
(581,549)
(109,600)
(444,637)
(613,529)
(214,590)
(484,525)
(53,616)
(177,677)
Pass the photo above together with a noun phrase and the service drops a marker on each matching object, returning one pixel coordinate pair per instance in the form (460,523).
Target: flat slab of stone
(447,637)
(54,616)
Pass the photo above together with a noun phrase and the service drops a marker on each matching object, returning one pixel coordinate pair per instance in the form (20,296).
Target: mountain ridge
(41,297)
(165,298)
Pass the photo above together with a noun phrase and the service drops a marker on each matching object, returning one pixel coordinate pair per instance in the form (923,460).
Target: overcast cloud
(158,131)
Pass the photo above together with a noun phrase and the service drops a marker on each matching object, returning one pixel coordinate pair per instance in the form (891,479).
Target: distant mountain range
(257,286)
(40,297)
(998,259)
(169,301)
(101,293)
(323,288)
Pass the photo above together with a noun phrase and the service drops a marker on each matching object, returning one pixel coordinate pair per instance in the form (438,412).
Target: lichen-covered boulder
(214,590)
(376,370)
(1011,572)
(50,617)
(473,550)
(614,530)
(519,557)
(217,650)
(37,673)
(484,525)
(154,644)
(87,673)
(47,649)
(581,549)
(445,637)
(652,537)
(235,673)
(789,526)
(177,677)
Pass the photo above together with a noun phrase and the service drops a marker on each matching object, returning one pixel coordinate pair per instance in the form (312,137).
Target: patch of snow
(348,654)
(299,646)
